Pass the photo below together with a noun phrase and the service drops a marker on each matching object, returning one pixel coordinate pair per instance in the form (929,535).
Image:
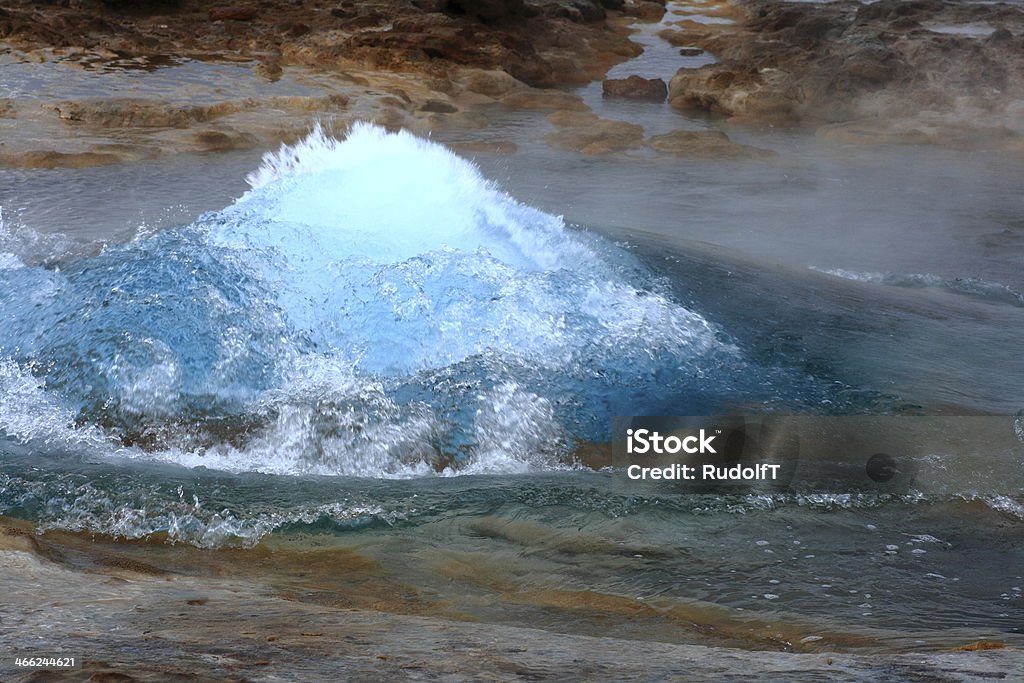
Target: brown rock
(488,11)
(636,88)
(220,141)
(438,107)
(981,645)
(237,13)
(567,118)
(128,564)
(700,89)
(681,38)
(51,159)
(120,113)
(931,129)
(431,5)
(363,21)
(704,144)
(293,29)
(491,83)
(544,99)
(580,11)
(648,11)
(18,540)
(586,133)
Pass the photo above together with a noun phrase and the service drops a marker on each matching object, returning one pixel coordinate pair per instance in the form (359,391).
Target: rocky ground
(129,621)
(910,71)
(542,43)
(916,71)
(426,65)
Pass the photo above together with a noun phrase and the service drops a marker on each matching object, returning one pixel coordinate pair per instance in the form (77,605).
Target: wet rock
(645,11)
(392,118)
(429,37)
(288,605)
(636,88)
(237,13)
(431,5)
(269,69)
(684,38)
(121,113)
(829,63)
(588,10)
(1014,119)
(435,42)
(710,88)
(980,645)
(1000,37)
(891,10)
(586,133)
(451,56)
(439,107)
(293,29)
(50,159)
(129,565)
(691,52)
(18,540)
(922,130)
(813,30)
(491,83)
(98,132)
(221,141)
(905,24)
(704,144)
(544,99)
(488,11)
(870,66)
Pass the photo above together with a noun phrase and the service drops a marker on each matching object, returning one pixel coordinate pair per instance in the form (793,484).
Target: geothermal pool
(372,349)
(375,348)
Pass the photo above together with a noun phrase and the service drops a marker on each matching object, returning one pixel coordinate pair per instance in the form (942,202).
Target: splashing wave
(371,307)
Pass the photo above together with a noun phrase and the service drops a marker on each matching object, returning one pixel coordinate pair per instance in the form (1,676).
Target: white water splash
(372,307)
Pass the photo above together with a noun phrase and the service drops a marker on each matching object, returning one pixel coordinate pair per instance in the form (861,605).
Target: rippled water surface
(377,349)
(187,81)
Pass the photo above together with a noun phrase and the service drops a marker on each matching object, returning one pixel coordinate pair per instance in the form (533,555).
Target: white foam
(30,414)
(389,197)
(372,263)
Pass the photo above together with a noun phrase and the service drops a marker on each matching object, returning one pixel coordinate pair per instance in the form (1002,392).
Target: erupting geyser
(372,306)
